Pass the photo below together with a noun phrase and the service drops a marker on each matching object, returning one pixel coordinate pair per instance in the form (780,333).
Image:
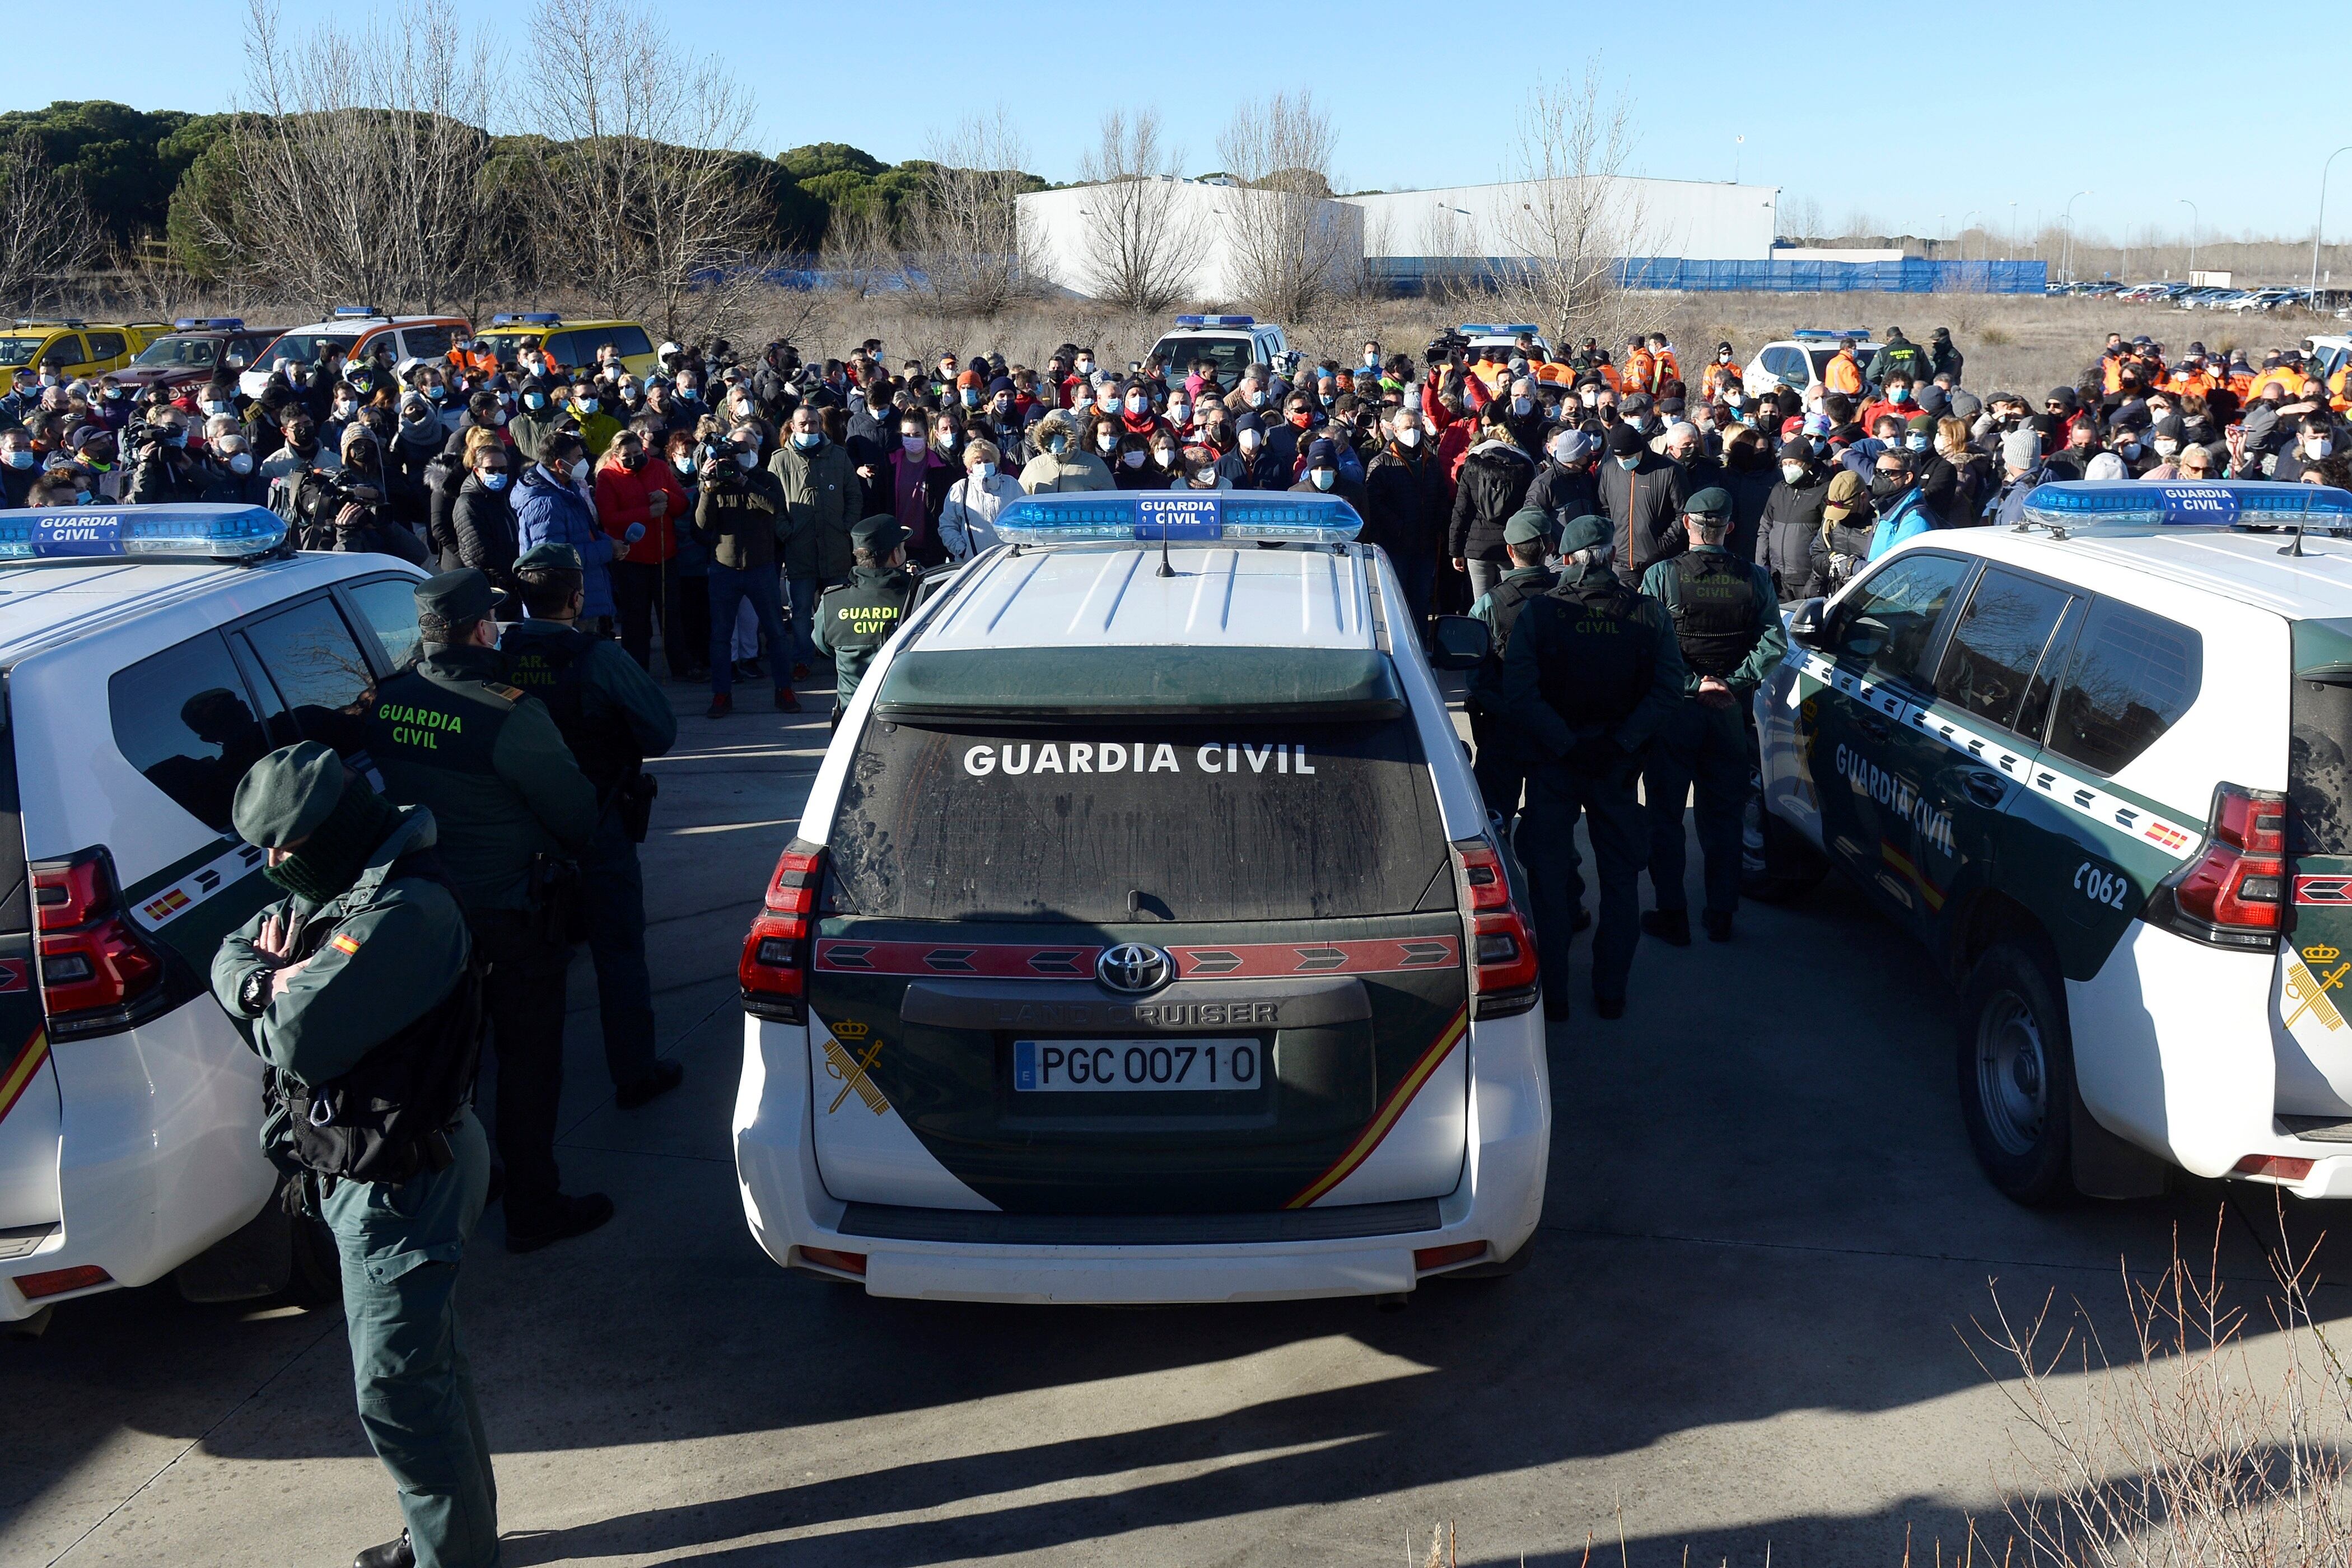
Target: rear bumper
(158,1154)
(1497,1201)
(2178,1049)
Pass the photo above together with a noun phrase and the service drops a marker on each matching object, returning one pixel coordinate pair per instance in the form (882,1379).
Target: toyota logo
(1133,967)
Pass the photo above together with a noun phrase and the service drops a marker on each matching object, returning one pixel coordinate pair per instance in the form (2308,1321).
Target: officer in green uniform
(1502,758)
(1592,671)
(450,734)
(856,619)
(356,992)
(1727,621)
(614,717)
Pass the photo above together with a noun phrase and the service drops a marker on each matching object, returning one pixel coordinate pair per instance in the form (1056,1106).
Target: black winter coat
(1563,494)
(1644,506)
(1404,501)
(482,532)
(1790,533)
(1492,485)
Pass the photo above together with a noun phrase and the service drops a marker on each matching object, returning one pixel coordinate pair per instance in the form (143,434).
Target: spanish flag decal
(1385,1118)
(18,1077)
(344,943)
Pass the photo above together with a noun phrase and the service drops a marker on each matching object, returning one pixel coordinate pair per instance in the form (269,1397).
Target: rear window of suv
(2132,676)
(1290,820)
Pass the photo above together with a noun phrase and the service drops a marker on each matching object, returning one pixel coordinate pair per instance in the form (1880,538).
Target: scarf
(337,851)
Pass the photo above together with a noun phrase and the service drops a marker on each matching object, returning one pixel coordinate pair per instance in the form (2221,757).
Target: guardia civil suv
(2098,762)
(1145,938)
(148,656)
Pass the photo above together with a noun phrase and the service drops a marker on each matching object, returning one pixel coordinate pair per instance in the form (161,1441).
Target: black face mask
(1886,487)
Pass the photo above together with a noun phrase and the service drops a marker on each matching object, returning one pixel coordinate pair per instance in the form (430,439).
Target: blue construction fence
(1912,275)
(1413,275)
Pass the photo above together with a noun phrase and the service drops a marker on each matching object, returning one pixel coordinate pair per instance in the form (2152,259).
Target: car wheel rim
(2012,1074)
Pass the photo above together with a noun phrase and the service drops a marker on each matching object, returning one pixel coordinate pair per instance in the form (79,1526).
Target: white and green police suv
(148,656)
(1145,938)
(2098,764)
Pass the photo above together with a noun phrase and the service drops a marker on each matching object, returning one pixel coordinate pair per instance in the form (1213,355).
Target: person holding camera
(612,716)
(163,469)
(345,511)
(740,518)
(513,809)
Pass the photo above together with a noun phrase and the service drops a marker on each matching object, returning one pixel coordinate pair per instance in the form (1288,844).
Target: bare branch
(47,236)
(1141,241)
(1558,243)
(971,251)
(1290,243)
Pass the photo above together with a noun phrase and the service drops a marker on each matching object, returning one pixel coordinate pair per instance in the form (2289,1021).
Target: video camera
(1446,347)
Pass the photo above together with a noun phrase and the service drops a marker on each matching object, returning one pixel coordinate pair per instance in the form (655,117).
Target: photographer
(347,514)
(738,517)
(163,469)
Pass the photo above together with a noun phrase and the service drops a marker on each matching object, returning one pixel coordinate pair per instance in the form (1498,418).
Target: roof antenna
(2295,549)
(1165,570)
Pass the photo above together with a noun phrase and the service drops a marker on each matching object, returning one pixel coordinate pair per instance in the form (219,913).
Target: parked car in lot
(149,655)
(1145,937)
(2097,765)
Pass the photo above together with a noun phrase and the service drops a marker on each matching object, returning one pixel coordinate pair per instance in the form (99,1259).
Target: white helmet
(668,351)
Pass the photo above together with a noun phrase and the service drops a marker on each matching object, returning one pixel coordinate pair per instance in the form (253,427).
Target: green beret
(548,557)
(878,535)
(1923,423)
(1527,525)
(1583,534)
(285,795)
(1712,502)
(457,596)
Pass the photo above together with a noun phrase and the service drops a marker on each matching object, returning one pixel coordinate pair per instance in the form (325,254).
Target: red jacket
(623,498)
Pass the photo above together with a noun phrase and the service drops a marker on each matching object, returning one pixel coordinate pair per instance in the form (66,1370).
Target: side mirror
(1809,624)
(1458,642)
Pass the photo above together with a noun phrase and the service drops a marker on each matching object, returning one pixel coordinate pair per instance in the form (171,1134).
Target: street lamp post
(2009,251)
(1966,218)
(2322,214)
(2192,232)
(2067,263)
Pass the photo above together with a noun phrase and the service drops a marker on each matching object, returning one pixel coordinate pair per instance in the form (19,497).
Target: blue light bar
(1494,329)
(1859,334)
(207,530)
(1217,321)
(1181,517)
(2229,503)
(209,324)
(532,318)
(359,310)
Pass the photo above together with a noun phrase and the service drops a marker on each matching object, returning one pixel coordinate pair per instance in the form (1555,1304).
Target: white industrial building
(1199,213)
(1403,236)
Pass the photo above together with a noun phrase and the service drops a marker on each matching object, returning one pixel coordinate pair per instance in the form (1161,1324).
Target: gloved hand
(1595,754)
(634,532)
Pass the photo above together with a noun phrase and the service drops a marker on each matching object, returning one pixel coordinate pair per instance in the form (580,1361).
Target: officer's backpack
(384,1120)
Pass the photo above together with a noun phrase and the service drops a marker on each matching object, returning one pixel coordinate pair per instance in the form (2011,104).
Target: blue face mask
(808,440)
(1916,440)
(21,460)
(1324,477)
(494,481)
(971,397)
(1630,463)
(1898,395)
(436,393)
(534,400)
(586,406)
(81,498)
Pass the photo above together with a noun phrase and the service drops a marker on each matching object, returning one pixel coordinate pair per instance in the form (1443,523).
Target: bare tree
(358,161)
(1142,247)
(1289,241)
(47,232)
(645,176)
(1575,215)
(972,255)
(859,257)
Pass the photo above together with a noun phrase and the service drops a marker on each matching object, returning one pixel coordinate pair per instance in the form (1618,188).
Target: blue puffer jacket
(1905,519)
(549,511)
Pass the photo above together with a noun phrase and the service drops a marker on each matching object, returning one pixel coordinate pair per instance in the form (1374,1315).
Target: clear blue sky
(1906,114)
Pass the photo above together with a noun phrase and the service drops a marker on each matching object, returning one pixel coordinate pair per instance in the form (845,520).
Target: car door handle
(1871,725)
(1984,788)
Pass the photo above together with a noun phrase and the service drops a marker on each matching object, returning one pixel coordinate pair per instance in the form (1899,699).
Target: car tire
(2016,1069)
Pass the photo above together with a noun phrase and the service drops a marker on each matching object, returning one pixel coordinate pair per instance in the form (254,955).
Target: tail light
(100,973)
(1428,1259)
(774,967)
(1503,948)
(58,1281)
(2231,893)
(824,1257)
(2277,1167)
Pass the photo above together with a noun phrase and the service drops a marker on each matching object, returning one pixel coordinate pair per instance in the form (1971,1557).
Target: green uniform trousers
(1706,747)
(1612,809)
(400,1247)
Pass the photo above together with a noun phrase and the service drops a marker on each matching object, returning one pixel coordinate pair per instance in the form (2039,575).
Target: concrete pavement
(1763,1229)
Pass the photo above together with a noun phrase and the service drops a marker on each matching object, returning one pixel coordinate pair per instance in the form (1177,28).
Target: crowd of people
(474,458)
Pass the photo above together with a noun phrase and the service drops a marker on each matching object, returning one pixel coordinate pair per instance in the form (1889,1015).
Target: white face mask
(1408,437)
(1165,456)
(241,463)
(2318,446)
(1108,443)
(1793,473)
(1132,459)
(983,471)
(580,469)
(2165,448)
(1251,440)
